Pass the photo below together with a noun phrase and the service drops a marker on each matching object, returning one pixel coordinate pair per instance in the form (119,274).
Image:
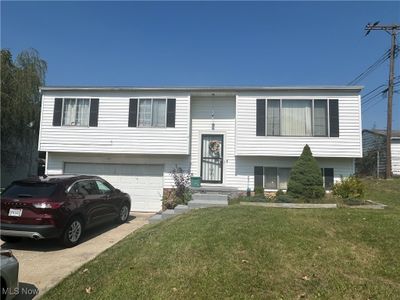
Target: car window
(103,189)
(84,187)
(29,190)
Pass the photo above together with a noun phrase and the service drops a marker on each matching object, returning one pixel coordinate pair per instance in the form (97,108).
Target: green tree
(20,110)
(305,179)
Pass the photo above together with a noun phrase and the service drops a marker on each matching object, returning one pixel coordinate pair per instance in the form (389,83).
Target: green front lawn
(245,252)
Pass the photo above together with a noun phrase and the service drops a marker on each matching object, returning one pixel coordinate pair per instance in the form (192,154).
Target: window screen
(273,117)
(270,178)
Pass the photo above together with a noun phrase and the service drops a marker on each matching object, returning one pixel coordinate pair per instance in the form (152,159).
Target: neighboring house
(374,142)
(229,136)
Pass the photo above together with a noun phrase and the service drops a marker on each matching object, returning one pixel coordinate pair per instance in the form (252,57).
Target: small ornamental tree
(182,184)
(305,179)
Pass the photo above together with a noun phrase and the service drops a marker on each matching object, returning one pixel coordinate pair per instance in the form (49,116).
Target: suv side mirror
(118,191)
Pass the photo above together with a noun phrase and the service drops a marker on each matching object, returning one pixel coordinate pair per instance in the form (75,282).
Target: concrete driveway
(43,263)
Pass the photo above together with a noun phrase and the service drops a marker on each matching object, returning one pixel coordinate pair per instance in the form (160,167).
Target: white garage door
(144,183)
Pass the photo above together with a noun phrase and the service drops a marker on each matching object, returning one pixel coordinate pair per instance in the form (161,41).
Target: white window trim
(151,111)
(277,178)
(312,118)
(62,113)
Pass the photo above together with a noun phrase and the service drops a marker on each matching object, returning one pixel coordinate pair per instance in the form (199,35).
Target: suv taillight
(47,205)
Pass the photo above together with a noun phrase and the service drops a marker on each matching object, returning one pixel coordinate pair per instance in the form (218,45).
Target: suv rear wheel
(10,239)
(72,233)
(123,214)
(3,289)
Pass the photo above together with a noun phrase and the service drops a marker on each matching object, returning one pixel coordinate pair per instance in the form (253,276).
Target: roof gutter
(206,89)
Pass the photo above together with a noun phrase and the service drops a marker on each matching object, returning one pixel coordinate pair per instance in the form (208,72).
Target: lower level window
(276,178)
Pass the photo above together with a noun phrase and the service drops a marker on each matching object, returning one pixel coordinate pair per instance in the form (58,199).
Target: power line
(375,65)
(371,68)
(382,92)
(373,104)
(391,29)
(364,96)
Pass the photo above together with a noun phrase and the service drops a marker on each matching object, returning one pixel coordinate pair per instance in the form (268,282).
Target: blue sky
(206,43)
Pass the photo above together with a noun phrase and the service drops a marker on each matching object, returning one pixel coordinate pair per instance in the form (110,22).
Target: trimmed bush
(305,180)
(284,198)
(168,203)
(259,191)
(349,188)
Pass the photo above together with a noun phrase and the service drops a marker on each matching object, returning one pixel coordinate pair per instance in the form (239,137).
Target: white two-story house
(237,137)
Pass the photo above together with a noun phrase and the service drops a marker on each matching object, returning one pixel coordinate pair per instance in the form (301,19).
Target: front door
(212,149)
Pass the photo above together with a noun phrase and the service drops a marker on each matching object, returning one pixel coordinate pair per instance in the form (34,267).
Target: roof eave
(206,88)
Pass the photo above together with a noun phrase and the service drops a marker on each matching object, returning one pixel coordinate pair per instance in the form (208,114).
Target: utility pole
(392,30)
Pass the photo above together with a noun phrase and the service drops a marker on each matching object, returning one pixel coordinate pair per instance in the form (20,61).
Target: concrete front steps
(199,200)
(169,213)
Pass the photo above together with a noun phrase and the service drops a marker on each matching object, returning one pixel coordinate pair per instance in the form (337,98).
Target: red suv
(59,207)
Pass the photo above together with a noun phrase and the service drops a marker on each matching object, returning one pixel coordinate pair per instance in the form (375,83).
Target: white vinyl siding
(112,135)
(143,183)
(245,168)
(223,111)
(396,156)
(56,161)
(348,144)
(376,143)
(234,117)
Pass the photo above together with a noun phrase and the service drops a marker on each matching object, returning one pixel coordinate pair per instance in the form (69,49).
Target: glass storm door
(212,149)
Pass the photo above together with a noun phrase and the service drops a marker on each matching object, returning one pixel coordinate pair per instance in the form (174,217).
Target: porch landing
(202,197)
(214,189)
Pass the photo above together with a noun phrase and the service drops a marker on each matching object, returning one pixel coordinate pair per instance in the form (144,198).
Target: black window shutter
(329,176)
(57,112)
(334,117)
(133,107)
(258,177)
(171,108)
(260,123)
(94,112)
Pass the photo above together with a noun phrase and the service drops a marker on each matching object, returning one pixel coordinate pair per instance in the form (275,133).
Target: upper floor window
(152,112)
(76,112)
(302,117)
